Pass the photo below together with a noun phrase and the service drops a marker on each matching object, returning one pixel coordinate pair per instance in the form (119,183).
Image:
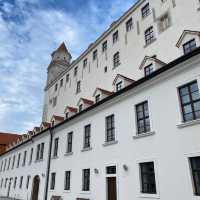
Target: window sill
(68,153)
(151,196)
(189,123)
(142,135)
(54,157)
(67,191)
(153,40)
(85,192)
(110,143)
(86,149)
(40,160)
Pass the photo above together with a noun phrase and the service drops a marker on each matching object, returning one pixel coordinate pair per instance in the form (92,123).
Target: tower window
(115,37)
(129,24)
(145,10)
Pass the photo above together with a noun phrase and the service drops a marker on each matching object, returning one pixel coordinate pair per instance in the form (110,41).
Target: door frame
(33,185)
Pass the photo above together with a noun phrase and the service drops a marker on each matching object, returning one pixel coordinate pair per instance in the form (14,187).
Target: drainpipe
(48,164)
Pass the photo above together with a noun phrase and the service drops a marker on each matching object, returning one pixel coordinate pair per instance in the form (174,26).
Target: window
(147,174)
(69,142)
(87,135)
(9,160)
(195,167)
(116,60)
(110,128)
(21,182)
(148,70)
(145,10)
(53,180)
(27,181)
(42,151)
(31,156)
(67,78)
(190,101)
(38,152)
(55,152)
(105,69)
(67,180)
(5,165)
(67,115)
(85,63)
(104,46)
(78,87)
(149,35)
(18,160)
(13,163)
(6,182)
(80,108)
(111,170)
(164,22)
(61,82)
(86,180)
(15,183)
(189,46)
(24,160)
(119,86)
(129,25)
(75,71)
(115,37)
(54,101)
(97,98)
(1,182)
(142,114)
(95,55)
(56,87)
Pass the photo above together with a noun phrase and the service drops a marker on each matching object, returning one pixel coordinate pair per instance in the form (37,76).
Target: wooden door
(111,188)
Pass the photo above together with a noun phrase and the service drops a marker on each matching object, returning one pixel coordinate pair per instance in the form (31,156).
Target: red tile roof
(45,124)
(124,77)
(58,118)
(71,109)
(87,101)
(105,91)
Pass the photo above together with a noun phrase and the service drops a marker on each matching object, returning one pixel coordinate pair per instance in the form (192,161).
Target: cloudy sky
(29,31)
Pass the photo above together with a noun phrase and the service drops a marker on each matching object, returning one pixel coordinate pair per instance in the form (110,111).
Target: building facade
(122,121)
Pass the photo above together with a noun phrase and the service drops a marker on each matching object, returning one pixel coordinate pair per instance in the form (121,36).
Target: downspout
(48,164)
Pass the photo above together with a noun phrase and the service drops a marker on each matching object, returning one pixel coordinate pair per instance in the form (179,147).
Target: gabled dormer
(83,104)
(188,41)
(70,111)
(56,120)
(150,64)
(36,130)
(100,94)
(31,133)
(44,125)
(121,82)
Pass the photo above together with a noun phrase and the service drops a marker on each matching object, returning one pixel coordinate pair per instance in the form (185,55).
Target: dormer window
(189,46)
(97,98)
(119,86)
(148,70)
(80,108)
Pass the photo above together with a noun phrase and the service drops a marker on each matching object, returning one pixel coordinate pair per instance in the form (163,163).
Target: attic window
(148,70)
(80,108)
(189,46)
(119,86)
(97,98)
(67,115)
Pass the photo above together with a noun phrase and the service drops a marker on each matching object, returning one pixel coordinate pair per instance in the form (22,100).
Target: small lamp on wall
(125,167)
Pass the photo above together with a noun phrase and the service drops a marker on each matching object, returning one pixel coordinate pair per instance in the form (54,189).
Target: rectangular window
(78,87)
(164,22)
(31,156)
(189,46)
(87,135)
(97,98)
(110,128)
(27,182)
(115,37)
(104,46)
(55,152)
(80,108)
(75,71)
(95,54)
(21,182)
(69,142)
(116,60)
(195,167)
(18,160)
(148,70)
(147,174)
(56,87)
(149,35)
(61,82)
(67,78)
(119,86)
(42,151)
(54,101)
(6,182)
(13,163)
(9,160)
(85,63)
(190,101)
(143,121)
(86,180)
(111,170)
(67,180)
(129,25)
(38,152)
(24,160)
(145,10)
(53,180)
(15,183)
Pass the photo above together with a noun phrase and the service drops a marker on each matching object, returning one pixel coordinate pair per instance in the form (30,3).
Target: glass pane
(187,109)
(195,95)
(140,115)
(185,99)
(194,87)
(197,106)
(184,91)
(188,117)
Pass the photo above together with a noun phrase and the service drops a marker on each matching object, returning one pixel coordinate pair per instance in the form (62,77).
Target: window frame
(86,180)
(78,87)
(119,86)
(116,59)
(149,71)
(149,35)
(129,25)
(104,46)
(69,142)
(87,137)
(53,181)
(115,36)
(55,150)
(145,10)
(110,128)
(190,47)
(67,183)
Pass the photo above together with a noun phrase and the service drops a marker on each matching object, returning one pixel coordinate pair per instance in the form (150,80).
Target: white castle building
(122,121)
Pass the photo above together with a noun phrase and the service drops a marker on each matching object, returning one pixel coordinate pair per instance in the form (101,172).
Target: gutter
(48,164)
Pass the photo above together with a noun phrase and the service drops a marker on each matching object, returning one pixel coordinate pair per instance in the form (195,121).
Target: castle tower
(61,59)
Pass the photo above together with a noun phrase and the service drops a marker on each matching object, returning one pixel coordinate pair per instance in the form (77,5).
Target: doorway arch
(35,188)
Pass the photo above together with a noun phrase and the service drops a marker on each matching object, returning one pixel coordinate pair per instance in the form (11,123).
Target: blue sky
(30,30)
